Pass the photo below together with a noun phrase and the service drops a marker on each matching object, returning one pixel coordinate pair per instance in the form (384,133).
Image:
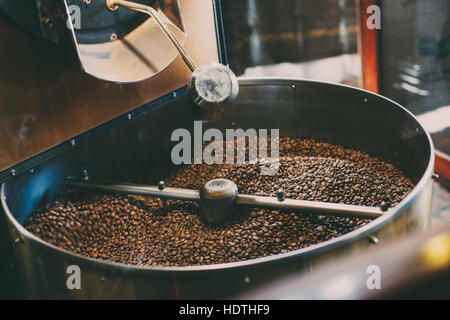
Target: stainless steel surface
(45,100)
(213,84)
(338,114)
(212,88)
(160,21)
(138,55)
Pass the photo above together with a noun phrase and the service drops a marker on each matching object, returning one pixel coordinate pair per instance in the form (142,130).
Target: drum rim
(315,249)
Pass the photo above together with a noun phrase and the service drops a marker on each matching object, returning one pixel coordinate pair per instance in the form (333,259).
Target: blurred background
(407,59)
(297,38)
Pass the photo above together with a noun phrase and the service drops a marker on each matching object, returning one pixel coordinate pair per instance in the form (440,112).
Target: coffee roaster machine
(81,84)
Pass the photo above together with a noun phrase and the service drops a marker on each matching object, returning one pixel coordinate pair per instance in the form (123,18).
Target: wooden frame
(368,46)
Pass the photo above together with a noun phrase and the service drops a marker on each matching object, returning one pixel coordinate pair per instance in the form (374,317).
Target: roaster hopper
(60,121)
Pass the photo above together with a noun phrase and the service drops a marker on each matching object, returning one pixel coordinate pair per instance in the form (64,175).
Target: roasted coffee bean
(131,230)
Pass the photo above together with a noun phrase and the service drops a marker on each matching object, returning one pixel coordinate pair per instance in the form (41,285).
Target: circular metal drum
(327,112)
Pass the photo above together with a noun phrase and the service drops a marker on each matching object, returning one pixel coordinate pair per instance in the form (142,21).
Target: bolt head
(384,206)
(280,194)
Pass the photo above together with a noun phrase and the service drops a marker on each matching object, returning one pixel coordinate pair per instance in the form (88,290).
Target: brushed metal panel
(45,100)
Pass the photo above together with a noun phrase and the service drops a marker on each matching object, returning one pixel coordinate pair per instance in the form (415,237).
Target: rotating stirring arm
(219,197)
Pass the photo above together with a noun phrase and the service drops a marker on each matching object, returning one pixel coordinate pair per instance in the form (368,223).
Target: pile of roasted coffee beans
(136,230)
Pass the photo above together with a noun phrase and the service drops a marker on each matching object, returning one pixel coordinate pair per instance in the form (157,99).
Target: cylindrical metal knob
(217,200)
(213,88)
